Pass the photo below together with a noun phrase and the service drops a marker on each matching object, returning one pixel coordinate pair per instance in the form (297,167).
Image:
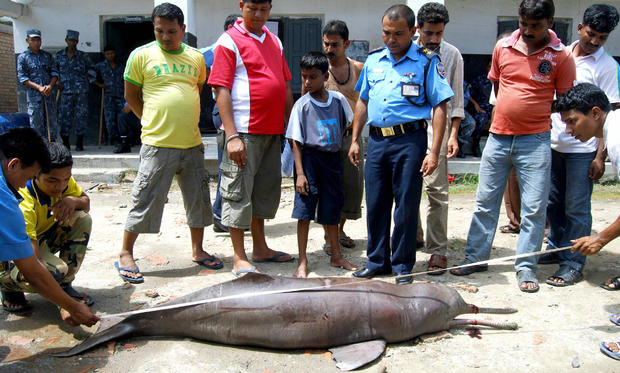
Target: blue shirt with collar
(37,67)
(14,243)
(381,81)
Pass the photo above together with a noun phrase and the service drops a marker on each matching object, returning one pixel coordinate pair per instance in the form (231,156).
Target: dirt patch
(557,326)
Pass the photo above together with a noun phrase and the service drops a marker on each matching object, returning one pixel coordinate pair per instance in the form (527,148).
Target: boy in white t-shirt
(315,130)
(587,113)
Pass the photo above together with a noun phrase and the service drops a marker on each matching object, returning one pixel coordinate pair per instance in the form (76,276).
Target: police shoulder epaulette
(376,50)
(428,53)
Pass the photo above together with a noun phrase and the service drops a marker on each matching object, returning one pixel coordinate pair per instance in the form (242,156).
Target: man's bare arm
(439,126)
(133,96)
(235,146)
(359,119)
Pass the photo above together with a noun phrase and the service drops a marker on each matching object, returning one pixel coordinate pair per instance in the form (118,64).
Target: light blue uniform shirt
(14,243)
(207,52)
(381,81)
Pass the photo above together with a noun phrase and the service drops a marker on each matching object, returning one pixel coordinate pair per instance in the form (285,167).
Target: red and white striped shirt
(255,71)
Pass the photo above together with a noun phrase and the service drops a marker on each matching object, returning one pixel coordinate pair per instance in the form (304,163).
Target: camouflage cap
(33,33)
(73,35)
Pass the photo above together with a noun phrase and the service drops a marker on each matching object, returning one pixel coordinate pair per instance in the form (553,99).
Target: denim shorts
(325,199)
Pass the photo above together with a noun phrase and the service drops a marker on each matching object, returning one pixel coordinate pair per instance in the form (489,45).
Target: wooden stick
(101,117)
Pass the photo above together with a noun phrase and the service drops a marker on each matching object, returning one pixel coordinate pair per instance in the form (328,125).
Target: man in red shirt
(528,69)
(251,81)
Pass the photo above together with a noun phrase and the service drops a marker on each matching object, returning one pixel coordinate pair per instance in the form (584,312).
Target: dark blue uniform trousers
(392,174)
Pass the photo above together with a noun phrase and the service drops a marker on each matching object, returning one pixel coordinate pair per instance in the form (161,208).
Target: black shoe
(65,142)
(369,273)
(219,227)
(122,148)
(404,280)
(79,147)
(466,271)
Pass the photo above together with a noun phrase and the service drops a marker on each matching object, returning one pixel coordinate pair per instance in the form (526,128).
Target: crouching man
(22,153)
(55,211)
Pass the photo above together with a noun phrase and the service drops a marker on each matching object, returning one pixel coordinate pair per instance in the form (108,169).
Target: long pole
(101,117)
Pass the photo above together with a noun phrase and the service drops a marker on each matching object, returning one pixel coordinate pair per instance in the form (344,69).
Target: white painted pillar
(417,4)
(187,6)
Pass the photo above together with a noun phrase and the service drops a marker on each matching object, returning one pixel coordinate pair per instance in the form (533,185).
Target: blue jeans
(393,175)
(530,155)
(569,210)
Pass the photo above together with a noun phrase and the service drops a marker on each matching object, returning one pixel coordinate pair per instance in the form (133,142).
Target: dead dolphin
(355,318)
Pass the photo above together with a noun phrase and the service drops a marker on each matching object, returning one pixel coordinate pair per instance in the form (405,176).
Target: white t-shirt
(601,70)
(611,136)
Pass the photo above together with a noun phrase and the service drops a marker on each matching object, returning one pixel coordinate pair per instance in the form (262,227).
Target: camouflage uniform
(69,241)
(39,68)
(114,91)
(74,94)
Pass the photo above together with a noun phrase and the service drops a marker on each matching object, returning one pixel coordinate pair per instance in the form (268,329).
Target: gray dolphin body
(357,317)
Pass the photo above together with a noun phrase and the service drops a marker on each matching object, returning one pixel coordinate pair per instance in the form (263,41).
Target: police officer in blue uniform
(399,86)
(76,71)
(111,73)
(36,69)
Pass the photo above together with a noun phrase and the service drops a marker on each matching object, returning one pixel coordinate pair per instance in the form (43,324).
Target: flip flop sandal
(615,318)
(615,281)
(569,275)
(508,229)
(438,261)
(242,272)
(327,249)
(524,276)
(131,280)
(16,298)
(610,353)
(468,270)
(211,258)
(81,297)
(346,241)
(275,258)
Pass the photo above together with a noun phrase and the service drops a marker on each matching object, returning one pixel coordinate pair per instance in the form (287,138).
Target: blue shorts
(325,199)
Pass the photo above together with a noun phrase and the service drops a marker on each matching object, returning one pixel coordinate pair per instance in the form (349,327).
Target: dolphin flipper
(353,356)
(119,330)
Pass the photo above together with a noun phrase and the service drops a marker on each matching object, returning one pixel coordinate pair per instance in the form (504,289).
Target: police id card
(410,90)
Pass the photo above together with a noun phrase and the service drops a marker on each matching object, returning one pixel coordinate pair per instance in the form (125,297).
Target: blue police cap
(33,33)
(72,34)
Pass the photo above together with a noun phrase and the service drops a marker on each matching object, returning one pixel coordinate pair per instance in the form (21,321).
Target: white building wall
(473,23)
(54,17)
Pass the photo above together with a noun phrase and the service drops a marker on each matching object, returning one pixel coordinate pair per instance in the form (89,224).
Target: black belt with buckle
(399,129)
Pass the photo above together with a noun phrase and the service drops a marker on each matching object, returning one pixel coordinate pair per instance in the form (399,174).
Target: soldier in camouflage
(111,74)
(76,71)
(37,71)
(55,211)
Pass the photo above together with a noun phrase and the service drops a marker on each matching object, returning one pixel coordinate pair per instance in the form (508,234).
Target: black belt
(399,129)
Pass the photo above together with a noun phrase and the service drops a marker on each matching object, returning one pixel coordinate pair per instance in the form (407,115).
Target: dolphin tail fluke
(109,329)
(476,309)
(492,324)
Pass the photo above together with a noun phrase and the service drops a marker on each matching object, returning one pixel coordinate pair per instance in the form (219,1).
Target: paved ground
(559,328)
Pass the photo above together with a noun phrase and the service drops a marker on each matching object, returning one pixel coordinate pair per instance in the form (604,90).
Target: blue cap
(72,34)
(33,33)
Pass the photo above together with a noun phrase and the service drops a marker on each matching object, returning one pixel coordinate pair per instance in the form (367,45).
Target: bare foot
(341,262)
(612,346)
(127,261)
(529,285)
(302,270)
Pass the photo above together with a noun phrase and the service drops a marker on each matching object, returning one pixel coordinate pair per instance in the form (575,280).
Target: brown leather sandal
(437,261)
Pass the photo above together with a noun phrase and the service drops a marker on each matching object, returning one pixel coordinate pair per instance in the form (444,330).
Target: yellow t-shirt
(169,82)
(37,206)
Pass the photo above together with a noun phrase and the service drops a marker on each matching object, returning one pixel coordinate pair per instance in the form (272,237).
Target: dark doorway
(126,34)
(299,36)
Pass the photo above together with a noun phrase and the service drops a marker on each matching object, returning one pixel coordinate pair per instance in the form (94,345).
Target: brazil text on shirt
(179,69)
